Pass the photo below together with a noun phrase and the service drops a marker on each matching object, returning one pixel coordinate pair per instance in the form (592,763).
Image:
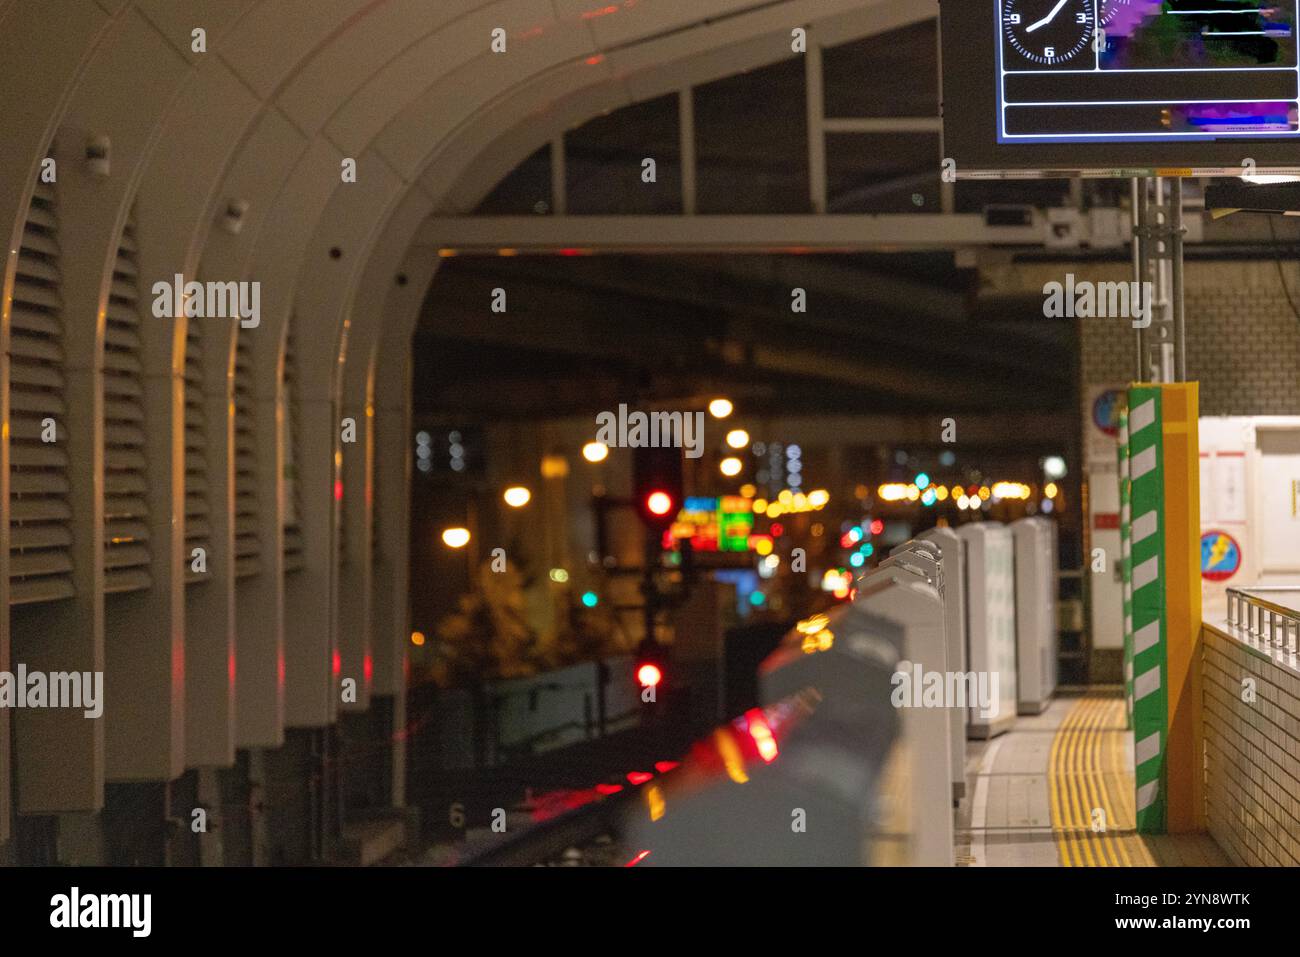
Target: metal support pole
(559,178)
(686,124)
(1176,281)
(947,191)
(1158,270)
(1137,198)
(816,125)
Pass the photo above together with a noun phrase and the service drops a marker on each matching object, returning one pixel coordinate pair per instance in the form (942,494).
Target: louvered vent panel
(248,547)
(40,520)
(198,521)
(126,514)
(292,527)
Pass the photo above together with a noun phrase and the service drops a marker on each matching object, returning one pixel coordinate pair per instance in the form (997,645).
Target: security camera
(232,220)
(97,155)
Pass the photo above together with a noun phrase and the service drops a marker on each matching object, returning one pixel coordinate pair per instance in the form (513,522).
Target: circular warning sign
(1220,556)
(1105,411)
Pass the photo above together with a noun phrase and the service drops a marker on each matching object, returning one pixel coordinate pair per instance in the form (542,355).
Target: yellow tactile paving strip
(1087,772)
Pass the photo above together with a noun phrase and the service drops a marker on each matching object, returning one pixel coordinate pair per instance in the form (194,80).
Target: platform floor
(1035,792)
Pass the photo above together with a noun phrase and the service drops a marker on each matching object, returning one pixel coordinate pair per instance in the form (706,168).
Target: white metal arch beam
(69,635)
(44,99)
(433,115)
(474,160)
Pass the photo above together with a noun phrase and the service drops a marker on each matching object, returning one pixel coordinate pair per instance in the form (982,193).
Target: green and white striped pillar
(1147,586)
(1126,559)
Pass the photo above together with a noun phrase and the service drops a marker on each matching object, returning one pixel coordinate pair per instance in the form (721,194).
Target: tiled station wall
(1243,339)
(1252,754)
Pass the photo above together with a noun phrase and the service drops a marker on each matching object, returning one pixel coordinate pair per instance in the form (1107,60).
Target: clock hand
(1047,19)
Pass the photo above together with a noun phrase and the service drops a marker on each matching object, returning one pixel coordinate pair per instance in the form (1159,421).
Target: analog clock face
(1110,9)
(1048,32)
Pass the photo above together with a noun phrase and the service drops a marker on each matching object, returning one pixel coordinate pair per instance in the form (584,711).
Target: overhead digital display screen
(1094,86)
(1077,70)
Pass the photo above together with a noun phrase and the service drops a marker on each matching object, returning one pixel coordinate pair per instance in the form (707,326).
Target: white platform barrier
(843,764)
(904,590)
(952,565)
(991,621)
(1036,634)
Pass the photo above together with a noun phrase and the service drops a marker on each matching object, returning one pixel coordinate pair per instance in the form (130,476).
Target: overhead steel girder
(887,232)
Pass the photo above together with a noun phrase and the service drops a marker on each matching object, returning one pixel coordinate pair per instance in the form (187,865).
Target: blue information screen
(1097,71)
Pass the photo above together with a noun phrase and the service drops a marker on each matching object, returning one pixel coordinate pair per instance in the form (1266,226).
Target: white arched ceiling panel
(379,283)
(566,97)
(273,147)
(41,67)
(393,40)
(615,22)
(282,245)
(173,209)
(384,628)
(178,21)
(547,84)
(312,602)
(39,80)
(466,90)
(144,639)
(69,635)
(275,38)
(517,125)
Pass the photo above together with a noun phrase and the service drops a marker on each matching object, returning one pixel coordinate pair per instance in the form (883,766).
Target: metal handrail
(1263,619)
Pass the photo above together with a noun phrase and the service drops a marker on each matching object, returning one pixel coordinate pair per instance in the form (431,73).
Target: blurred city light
(720,408)
(892,492)
(737,438)
(554,466)
(1012,490)
(595,451)
(455,537)
(730,466)
(517,496)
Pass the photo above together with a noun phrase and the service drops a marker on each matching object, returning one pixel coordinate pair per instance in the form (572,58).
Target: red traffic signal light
(657,485)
